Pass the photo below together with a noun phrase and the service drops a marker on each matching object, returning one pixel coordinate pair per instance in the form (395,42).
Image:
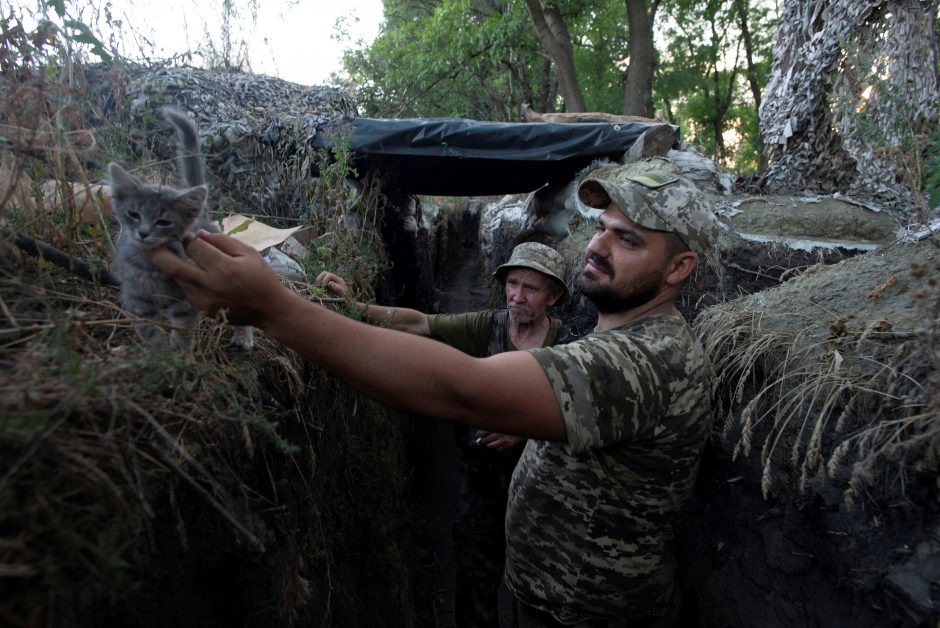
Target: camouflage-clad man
(616,420)
(589,518)
(533,282)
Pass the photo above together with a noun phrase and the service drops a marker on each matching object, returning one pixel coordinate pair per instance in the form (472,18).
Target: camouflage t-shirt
(589,519)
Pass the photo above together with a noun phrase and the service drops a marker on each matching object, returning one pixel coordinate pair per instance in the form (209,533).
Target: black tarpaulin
(460,157)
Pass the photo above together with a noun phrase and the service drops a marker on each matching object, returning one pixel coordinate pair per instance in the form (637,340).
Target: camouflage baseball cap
(538,257)
(654,194)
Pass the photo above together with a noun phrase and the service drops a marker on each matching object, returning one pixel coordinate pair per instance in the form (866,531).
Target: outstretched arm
(400,318)
(506,393)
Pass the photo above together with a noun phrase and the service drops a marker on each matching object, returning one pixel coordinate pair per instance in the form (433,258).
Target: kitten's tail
(191,169)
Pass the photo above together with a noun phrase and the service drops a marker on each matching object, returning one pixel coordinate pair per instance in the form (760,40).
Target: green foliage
(460,58)
(463,59)
(701,82)
(481,60)
(348,218)
(745,155)
(81,33)
(60,37)
(599,32)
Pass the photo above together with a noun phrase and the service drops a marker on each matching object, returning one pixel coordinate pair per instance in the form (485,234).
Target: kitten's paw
(243,337)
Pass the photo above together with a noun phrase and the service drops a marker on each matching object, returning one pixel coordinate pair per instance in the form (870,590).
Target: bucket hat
(536,256)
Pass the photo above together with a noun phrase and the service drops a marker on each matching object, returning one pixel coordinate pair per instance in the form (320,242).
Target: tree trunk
(722,100)
(553,33)
(638,82)
(751,70)
(852,93)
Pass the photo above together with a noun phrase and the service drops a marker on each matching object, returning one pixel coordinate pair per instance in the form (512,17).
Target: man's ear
(680,267)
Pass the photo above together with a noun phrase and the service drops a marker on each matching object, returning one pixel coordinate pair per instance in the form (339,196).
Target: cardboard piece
(256,234)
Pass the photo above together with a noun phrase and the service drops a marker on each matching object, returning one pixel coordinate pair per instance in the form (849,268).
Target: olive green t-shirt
(470,332)
(589,519)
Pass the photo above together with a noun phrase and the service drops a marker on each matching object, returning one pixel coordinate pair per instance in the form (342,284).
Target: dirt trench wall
(820,491)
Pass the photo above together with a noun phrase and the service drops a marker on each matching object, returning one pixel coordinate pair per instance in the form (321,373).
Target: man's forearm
(397,318)
(402,319)
(418,374)
(507,392)
(383,363)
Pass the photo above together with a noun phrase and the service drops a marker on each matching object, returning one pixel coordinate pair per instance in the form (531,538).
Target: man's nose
(599,244)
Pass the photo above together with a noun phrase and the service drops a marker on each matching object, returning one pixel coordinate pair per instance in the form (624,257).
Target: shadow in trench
(435,484)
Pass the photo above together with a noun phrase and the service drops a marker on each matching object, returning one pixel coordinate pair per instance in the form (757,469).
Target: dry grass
(856,404)
(96,428)
(113,454)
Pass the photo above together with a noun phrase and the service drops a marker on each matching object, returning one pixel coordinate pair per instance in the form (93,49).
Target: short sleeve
(609,388)
(467,332)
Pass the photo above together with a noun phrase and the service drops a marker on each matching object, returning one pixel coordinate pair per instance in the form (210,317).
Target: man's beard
(608,300)
(521,314)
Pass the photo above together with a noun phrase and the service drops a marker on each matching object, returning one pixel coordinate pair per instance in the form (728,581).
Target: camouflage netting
(852,96)
(257,131)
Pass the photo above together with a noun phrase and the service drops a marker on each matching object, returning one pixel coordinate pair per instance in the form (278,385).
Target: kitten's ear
(123,183)
(192,199)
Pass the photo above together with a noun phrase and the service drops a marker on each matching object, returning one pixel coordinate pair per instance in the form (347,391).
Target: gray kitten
(158,215)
